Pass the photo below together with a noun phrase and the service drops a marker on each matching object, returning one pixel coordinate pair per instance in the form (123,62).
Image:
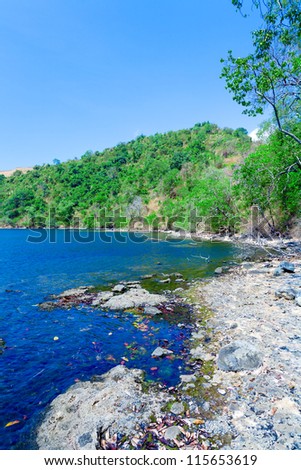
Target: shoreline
(253,305)
(239,239)
(257,408)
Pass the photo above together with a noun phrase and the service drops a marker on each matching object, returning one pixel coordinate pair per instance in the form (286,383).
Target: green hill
(159,180)
(158,175)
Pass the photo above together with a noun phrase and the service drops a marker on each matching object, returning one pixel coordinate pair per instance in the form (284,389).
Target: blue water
(34,368)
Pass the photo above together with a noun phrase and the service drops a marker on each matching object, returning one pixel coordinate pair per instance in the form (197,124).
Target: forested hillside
(218,172)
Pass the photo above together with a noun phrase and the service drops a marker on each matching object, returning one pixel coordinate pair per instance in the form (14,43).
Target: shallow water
(35,368)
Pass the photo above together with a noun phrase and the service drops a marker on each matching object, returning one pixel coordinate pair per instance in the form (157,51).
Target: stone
(239,355)
(75,418)
(287,267)
(172,433)
(177,408)
(187,378)
(199,353)
(102,297)
(218,270)
(85,439)
(160,352)
(75,292)
(134,298)
(152,311)
(286,292)
(119,288)
(164,281)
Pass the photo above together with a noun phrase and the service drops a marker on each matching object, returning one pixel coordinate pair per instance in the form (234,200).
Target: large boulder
(239,355)
(78,417)
(136,297)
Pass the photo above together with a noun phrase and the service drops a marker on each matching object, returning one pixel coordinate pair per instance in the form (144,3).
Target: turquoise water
(34,368)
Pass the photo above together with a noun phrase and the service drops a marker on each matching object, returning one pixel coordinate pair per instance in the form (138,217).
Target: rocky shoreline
(258,304)
(241,387)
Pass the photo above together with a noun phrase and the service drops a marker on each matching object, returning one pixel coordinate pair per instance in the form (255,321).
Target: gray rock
(134,298)
(152,311)
(218,270)
(239,355)
(85,439)
(119,288)
(172,433)
(287,267)
(187,378)
(74,292)
(101,298)
(177,408)
(164,281)
(286,292)
(160,352)
(75,417)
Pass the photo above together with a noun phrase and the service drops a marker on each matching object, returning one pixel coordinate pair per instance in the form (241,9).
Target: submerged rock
(239,355)
(2,345)
(47,306)
(160,352)
(78,418)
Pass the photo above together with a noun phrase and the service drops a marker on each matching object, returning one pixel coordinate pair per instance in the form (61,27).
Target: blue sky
(81,75)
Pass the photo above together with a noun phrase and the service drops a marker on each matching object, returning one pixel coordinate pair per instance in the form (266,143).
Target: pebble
(160,352)
(172,432)
(177,408)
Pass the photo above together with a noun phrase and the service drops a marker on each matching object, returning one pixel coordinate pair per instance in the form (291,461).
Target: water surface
(35,368)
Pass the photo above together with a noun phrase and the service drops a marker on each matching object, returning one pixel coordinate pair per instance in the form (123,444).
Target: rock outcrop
(116,403)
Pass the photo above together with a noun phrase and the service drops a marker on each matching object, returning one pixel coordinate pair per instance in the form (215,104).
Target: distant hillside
(8,173)
(160,175)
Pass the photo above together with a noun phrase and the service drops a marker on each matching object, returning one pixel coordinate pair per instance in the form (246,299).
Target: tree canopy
(271,74)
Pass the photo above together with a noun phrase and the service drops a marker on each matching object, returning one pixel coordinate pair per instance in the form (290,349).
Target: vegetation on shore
(177,179)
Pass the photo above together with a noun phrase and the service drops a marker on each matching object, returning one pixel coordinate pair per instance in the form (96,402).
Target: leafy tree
(263,182)
(271,75)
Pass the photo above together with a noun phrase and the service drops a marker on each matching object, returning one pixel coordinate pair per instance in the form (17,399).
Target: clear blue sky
(87,74)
